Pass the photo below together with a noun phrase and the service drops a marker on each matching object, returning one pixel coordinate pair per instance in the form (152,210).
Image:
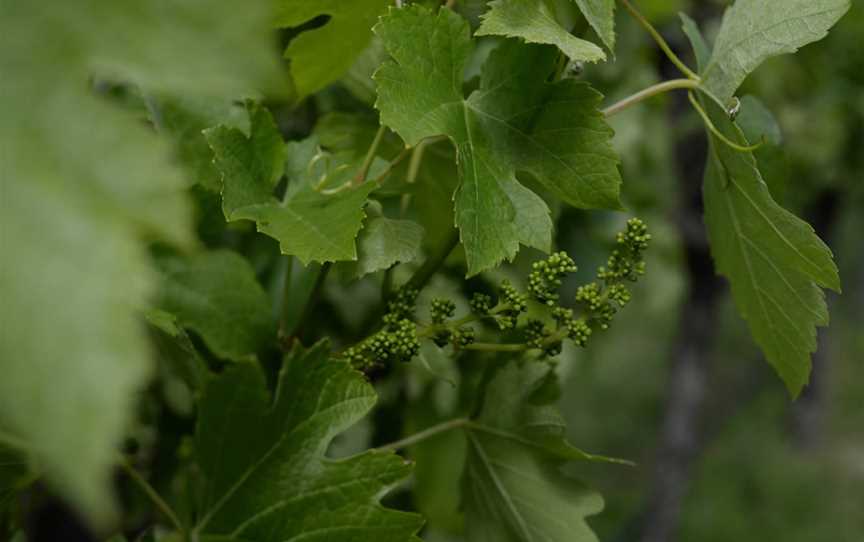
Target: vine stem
(413,171)
(433,262)
(403,155)
(424,435)
(370,155)
(664,46)
(154,496)
(426,331)
(517,347)
(392,165)
(653,90)
(498,347)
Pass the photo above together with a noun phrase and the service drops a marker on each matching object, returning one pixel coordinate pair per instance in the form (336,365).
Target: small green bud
(535,333)
(546,277)
(442,309)
(463,337)
(516,302)
(481,304)
(403,304)
(619,294)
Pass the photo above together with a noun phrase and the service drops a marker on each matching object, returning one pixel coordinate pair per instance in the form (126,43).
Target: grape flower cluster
(596,304)
(598,300)
(396,341)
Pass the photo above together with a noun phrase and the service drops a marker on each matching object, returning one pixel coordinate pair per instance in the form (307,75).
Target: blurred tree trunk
(681,438)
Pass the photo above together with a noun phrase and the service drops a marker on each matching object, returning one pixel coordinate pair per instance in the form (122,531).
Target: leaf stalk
(653,90)
(370,155)
(433,262)
(661,42)
(424,435)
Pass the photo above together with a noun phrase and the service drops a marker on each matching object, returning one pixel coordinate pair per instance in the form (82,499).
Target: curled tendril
(717,133)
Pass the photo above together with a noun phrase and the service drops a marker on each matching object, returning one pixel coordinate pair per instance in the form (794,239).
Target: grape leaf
(701,49)
(85,185)
(534,22)
(358,78)
(321,55)
(516,121)
(217,295)
(757,122)
(275,483)
(385,242)
(439,462)
(174,348)
(600,14)
(322,209)
(759,125)
(249,165)
(755,30)
(773,260)
(513,488)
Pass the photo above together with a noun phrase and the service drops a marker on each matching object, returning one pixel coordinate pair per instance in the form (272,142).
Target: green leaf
(276,483)
(514,489)
(759,125)
(701,49)
(385,242)
(757,122)
(217,295)
(755,30)
(85,186)
(439,462)
(773,260)
(322,55)
(200,49)
(74,272)
(358,78)
(534,22)
(600,14)
(322,210)
(516,121)
(250,165)
(183,120)
(314,226)
(174,348)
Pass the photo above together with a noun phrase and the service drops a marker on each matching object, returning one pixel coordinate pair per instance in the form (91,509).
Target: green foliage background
(208,290)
